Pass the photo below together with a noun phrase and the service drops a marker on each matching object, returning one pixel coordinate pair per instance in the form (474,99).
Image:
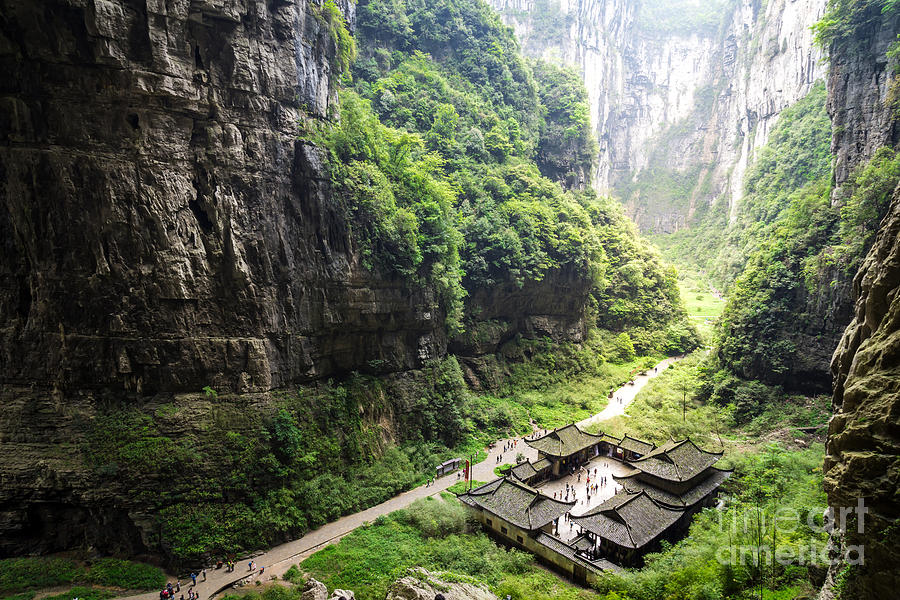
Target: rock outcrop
(863,448)
(859,79)
(164,229)
(314,590)
(422,585)
(697,103)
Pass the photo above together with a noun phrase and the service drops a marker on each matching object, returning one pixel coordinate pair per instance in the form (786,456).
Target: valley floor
(277,560)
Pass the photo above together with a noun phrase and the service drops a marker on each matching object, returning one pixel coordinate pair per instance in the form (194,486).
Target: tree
(684,381)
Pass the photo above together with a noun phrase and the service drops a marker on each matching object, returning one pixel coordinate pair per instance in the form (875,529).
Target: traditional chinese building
(522,516)
(677,474)
(627,526)
(664,487)
(566,448)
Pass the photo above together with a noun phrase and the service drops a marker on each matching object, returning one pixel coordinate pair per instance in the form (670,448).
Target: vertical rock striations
(863,448)
(163,229)
(689,104)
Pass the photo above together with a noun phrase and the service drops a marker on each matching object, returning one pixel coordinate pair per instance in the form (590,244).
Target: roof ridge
(624,521)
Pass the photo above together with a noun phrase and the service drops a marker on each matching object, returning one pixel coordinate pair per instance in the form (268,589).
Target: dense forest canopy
(465,165)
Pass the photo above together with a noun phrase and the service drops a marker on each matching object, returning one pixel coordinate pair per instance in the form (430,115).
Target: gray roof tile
(517,503)
(676,461)
(629,520)
(564,441)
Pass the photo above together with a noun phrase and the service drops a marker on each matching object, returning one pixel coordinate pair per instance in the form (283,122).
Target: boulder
(314,590)
(422,585)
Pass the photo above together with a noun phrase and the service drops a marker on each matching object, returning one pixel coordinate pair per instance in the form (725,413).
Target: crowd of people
(172,589)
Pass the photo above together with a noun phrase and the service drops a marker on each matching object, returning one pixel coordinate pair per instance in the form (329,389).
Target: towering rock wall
(164,229)
(693,103)
(863,448)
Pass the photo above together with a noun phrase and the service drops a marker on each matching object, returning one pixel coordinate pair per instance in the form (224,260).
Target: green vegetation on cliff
(451,154)
(682,17)
(457,166)
(790,254)
(847,24)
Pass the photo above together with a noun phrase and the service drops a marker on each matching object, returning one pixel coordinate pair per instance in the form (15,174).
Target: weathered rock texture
(863,449)
(859,78)
(422,585)
(163,230)
(698,103)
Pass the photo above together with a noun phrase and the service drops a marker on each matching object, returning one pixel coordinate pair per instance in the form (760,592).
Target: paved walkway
(625,395)
(603,466)
(278,559)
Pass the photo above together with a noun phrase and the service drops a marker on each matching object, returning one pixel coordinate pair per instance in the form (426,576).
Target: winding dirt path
(279,558)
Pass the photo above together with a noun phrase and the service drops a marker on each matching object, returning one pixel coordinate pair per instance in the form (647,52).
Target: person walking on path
(194,578)
(204,574)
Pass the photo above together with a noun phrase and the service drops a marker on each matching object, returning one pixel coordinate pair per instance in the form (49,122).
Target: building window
(503,529)
(519,537)
(490,523)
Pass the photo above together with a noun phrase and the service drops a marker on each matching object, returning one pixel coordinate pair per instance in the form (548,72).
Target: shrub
(115,572)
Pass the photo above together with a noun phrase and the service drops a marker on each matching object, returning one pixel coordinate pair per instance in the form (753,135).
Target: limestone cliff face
(858,84)
(697,103)
(163,229)
(863,448)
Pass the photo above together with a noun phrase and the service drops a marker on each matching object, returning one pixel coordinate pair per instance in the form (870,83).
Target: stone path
(627,394)
(278,559)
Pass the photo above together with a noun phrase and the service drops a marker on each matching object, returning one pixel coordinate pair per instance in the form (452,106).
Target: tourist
(204,574)
(194,578)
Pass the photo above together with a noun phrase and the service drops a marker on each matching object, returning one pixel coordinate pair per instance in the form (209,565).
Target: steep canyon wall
(863,448)
(163,229)
(687,105)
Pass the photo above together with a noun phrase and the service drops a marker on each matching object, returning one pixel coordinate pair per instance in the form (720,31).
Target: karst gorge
(449,300)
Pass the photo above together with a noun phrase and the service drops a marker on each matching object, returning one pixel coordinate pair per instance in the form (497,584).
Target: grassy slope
(703,307)
(436,535)
(21,578)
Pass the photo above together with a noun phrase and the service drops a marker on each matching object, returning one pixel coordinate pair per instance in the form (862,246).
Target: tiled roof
(686,500)
(517,503)
(635,445)
(524,471)
(609,439)
(542,464)
(629,520)
(564,441)
(676,461)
